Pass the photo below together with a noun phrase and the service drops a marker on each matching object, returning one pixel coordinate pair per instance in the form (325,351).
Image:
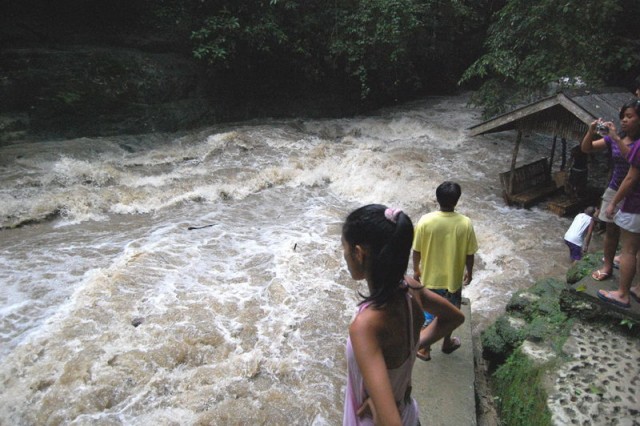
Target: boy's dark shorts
(454,298)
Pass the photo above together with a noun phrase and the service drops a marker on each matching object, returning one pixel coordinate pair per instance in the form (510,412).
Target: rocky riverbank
(559,356)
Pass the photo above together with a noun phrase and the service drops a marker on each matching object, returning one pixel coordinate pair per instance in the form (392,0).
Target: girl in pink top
(386,332)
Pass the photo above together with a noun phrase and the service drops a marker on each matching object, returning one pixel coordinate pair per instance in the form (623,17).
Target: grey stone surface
(445,386)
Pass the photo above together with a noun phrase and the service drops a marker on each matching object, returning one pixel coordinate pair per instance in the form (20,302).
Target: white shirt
(575,233)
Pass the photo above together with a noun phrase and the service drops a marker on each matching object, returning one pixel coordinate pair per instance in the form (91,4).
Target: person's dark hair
(589,211)
(635,104)
(388,244)
(448,194)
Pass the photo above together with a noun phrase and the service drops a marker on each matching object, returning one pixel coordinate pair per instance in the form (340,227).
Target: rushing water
(115,312)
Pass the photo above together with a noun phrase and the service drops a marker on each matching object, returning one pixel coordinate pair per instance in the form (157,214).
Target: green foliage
(216,42)
(69,98)
(380,49)
(553,329)
(500,339)
(236,30)
(493,343)
(547,287)
(538,309)
(584,267)
(373,40)
(521,399)
(629,323)
(533,47)
(391,45)
(511,335)
(374,51)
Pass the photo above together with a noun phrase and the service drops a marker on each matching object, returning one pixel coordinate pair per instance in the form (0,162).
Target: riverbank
(560,356)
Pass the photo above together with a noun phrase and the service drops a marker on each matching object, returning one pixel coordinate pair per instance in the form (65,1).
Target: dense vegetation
(535,46)
(369,52)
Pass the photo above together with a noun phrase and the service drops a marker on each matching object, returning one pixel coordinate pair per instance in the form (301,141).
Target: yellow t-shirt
(444,239)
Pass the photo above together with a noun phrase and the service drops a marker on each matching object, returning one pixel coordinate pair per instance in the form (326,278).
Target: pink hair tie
(392,214)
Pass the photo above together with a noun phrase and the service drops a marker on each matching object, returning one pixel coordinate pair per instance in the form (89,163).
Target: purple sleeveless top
(631,203)
(620,164)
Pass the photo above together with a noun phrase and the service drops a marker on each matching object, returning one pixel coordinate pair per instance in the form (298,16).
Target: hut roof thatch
(564,114)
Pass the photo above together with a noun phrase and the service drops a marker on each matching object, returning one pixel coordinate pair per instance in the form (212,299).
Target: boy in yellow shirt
(444,246)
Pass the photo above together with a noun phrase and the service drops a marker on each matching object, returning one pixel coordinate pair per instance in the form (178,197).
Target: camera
(602,129)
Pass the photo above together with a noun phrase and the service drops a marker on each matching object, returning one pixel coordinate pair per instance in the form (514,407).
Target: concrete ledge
(587,289)
(445,386)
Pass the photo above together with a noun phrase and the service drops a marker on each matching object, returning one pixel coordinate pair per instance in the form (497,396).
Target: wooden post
(553,151)
(564,153)
(512,176)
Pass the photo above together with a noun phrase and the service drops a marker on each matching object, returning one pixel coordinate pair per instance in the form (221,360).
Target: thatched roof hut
(565,116)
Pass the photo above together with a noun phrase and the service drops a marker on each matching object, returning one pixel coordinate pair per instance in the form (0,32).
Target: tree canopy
(513,51)
(375,50)
(370,52)
(533,48)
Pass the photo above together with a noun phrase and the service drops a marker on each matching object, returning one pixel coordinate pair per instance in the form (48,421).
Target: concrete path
(444,387)
(587,288)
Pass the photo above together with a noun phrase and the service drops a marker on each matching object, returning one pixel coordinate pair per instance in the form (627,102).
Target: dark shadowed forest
(88,67)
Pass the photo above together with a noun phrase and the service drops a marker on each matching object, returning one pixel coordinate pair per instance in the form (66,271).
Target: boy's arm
(587,238)
(416,265)
(468,273)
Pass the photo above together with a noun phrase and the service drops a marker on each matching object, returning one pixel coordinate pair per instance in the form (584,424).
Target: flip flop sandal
(455,344)
(424,354)
(607,298)
(600,275)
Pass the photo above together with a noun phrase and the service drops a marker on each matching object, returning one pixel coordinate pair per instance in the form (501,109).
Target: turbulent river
(114,311)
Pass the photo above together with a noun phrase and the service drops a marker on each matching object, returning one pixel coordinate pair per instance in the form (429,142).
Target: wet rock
(580,350)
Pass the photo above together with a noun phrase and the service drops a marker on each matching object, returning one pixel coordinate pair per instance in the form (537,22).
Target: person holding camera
(628,215)
(602,136)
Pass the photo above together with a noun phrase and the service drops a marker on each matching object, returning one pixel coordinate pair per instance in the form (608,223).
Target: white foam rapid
(113,311)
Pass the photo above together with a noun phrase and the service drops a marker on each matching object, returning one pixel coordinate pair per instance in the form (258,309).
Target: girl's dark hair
(635,104)
(388,245)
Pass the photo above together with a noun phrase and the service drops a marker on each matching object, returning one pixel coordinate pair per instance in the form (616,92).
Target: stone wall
(86,91)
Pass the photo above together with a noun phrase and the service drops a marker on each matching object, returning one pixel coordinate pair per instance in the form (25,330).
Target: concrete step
(445,386)
(587,289)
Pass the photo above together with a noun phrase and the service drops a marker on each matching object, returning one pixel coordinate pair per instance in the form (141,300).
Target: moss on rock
(586,266)
(539,309)
(533,315)
(520,394)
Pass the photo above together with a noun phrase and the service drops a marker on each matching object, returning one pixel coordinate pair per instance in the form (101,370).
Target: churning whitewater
(198,277)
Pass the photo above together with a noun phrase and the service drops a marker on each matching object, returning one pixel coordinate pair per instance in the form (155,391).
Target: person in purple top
(628,216)
(619,146)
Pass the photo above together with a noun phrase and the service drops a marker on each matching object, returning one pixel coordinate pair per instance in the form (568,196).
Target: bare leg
(611,238)
(630,247)
(450,344)
(635,290)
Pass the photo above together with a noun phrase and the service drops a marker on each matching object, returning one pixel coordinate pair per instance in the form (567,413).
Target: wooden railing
(531,183)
